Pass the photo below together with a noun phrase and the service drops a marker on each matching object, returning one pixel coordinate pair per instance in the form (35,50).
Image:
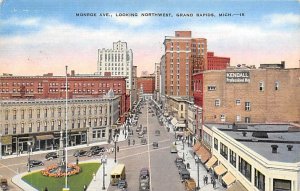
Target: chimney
(274,148)
(289,147)
(244,133)
(72,72)
(283,64)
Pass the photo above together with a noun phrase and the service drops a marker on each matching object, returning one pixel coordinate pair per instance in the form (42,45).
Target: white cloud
(283,19)
(135,20)
(21,22)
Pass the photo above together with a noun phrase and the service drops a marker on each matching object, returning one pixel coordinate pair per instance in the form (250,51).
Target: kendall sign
(237,77)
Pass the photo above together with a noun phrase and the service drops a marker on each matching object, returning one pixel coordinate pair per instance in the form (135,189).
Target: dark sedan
(80,153)
(34,163)
(51,156)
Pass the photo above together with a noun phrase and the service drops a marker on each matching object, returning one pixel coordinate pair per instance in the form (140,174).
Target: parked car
(189,184)
(181,168)
(95,152)
(3,184)
(34,163)
(144,173)
(173,149)
(178,160)
(51,156)
(184,174)
(97,148)
(143,141)
(80,153)
(122,184)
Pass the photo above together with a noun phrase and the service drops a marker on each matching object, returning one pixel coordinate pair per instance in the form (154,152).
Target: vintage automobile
(3,184)
(143,141)
(80,153)
(155,145)
(173,149)
(34,163)
(51,156)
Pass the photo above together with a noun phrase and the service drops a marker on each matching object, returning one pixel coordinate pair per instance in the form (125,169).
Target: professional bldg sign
(237,77)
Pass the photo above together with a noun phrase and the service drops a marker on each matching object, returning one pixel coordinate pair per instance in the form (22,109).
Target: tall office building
(117,62)
(184,56)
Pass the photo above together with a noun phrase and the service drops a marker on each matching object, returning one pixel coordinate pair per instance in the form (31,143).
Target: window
(14,128)
(238,102)
(38,113)
(211,88)
(223,118)
(259,181)
(181,107)
(22,127)
(245,168)
(238,118)
(38,128)
(247,106)
(217,103)
(45,126)
(261,86)
(30,113)
(276,86)
(46,112)
(247,119)
(6,114)
(22,113)
(281,185)
(30,127)
(224,151)
(14,114)
(216,143)
(59,112)
(232,158)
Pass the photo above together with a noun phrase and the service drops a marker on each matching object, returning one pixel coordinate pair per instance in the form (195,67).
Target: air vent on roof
(274,148)
(260,134)
(289,147)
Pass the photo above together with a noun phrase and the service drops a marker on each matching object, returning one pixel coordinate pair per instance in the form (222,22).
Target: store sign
(237,77)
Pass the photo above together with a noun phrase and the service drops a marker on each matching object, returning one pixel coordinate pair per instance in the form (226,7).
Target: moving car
(144,180)
(80,153)
(144,173)
(173,149)
(51,156)
(94,152)
(178,160)
(143,141)
(34,163)
(3,184)
(155,145)
(122,184)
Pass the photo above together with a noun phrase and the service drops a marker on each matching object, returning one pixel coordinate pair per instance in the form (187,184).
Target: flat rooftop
(260,137)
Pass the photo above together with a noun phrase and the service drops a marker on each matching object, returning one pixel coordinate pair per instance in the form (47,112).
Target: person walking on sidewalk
(128,142)
(204,178)
(118,148)
(211,179)
(133,142)
(214,183)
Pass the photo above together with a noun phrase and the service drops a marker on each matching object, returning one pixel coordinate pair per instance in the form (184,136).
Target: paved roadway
(164,174)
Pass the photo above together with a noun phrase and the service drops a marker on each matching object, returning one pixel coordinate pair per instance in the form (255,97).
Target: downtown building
(41,121)
(117,61)
(249,95)
(146,87)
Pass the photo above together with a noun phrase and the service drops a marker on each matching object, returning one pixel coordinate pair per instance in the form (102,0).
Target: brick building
(242,94)
(217,62)
(53,87)
(146,86)
(184,56)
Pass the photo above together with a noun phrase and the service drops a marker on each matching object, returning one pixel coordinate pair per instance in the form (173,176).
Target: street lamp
(103,162)
(0,145)
(115,140)
(29,145)
(198,162)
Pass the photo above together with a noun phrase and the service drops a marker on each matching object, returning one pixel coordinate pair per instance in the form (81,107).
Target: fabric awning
(211,162)
(228,178)
(220,169)
(174,121)
(237,186)
(44,137)
(203,154)
(196,146)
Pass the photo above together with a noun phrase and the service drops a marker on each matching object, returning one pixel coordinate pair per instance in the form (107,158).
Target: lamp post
(198,161)
(29,145)
(0,145)
(115,142)
(103,161)
(87,136)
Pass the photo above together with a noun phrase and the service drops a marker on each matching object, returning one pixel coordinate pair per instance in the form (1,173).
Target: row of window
(237,102)
(261,87)
(244,167)
(74,124)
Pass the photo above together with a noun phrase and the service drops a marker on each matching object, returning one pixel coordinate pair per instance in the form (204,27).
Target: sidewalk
(189,158)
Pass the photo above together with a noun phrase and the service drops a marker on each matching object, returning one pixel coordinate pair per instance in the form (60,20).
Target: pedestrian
(46,189)
(204,180)
(123,131)
(214,183)
(118,148)
(128,142)
(84,187)
(133,142)
(211,179)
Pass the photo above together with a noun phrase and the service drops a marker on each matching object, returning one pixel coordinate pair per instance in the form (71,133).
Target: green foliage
(75,182)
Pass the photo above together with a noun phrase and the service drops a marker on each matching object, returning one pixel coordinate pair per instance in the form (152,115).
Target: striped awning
(211,162)
(228,178)
(220,169)
(203,154)
(44,137)
(196,146)
(174,121)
